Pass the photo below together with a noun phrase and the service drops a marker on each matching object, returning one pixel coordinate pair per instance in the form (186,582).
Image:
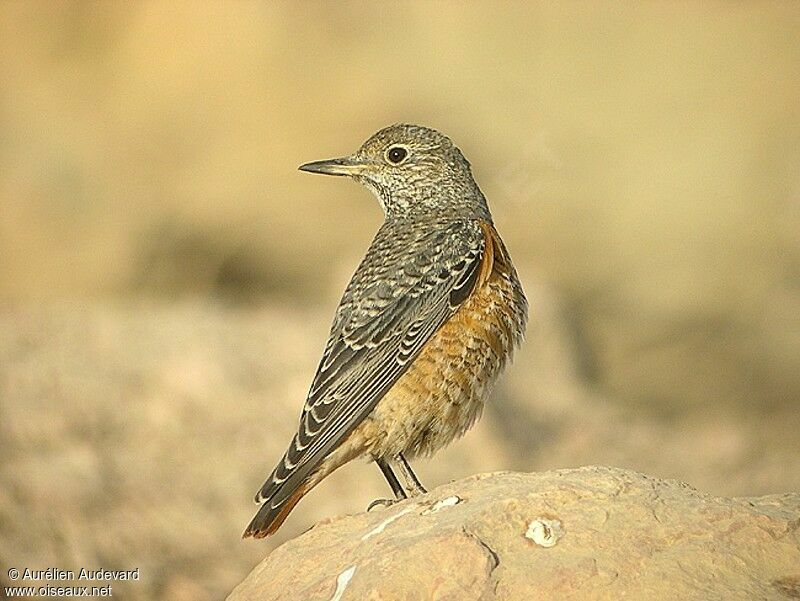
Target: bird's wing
(406,287)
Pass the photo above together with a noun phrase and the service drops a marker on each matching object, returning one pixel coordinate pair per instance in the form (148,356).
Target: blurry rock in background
(167,277)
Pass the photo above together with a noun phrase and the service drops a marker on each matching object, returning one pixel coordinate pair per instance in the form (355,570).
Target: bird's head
(411,169)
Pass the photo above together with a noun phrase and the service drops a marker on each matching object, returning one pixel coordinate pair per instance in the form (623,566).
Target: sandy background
(167,277)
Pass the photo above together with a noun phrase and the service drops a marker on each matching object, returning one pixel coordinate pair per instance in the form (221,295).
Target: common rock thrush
(430,317)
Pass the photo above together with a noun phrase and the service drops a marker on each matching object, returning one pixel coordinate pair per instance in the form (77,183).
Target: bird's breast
(443,391)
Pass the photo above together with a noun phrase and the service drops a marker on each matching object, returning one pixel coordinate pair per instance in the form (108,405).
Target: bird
(429,319)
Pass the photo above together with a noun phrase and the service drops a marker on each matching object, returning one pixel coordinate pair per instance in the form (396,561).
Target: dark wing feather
(407,286)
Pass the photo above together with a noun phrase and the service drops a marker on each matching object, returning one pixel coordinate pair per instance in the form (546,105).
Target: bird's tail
(270,517)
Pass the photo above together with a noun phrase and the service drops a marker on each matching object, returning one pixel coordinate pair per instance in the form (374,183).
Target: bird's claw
(381,503)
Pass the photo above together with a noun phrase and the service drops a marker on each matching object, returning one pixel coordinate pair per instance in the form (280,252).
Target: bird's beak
(343,166)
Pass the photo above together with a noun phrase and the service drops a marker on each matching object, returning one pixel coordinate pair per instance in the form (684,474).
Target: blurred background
(167,276)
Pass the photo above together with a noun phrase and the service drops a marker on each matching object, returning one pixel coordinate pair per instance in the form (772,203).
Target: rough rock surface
(588,533)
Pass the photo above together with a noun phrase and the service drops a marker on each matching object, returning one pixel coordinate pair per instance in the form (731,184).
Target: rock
(587,533)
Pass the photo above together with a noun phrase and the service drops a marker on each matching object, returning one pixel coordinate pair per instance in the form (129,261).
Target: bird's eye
(396,154)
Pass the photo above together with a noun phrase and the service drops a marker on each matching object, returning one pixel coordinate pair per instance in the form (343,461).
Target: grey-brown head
(413,171)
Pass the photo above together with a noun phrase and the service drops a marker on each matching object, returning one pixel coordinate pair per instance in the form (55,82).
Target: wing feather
(407,286)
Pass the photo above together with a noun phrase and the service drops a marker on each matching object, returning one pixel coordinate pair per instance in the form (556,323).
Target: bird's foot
(382,503)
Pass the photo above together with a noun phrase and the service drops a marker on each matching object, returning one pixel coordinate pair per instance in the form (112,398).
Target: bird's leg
(397,488)
(413,485)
